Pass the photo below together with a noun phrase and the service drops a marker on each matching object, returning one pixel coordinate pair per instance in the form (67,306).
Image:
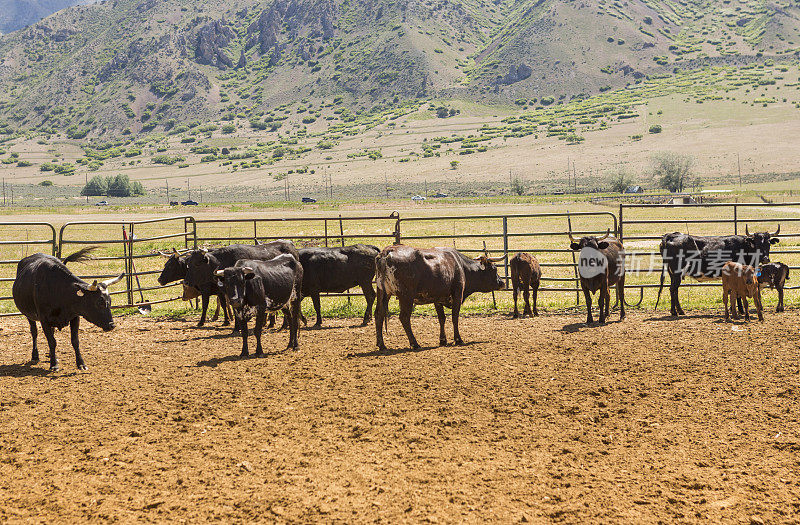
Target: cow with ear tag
(45,290)
(264,286)
(601,266)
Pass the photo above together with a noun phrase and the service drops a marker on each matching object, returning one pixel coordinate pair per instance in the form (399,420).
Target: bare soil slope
(534,420)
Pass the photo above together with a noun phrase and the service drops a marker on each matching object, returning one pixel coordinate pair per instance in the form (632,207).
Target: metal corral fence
(706,219)
(133,246)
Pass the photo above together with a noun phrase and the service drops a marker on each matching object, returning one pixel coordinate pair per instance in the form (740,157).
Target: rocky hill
(16,14)
(127,66)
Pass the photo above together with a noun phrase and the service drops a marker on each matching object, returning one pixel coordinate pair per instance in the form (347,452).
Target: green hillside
(132,66)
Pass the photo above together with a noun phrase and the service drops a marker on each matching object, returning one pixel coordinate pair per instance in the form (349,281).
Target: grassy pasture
(465,228)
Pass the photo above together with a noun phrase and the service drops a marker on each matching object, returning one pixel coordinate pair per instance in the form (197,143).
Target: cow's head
(237,283)
(487,279)
(174,267)
(760,243)
(589,242)
(200,267)
(94,302)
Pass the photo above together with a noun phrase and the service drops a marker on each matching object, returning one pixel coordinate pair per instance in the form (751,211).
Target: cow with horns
(45,290)
(703,258)
(175,270)
(601,266)
(442,276)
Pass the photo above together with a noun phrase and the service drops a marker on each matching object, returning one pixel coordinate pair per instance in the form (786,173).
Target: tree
(518,186)
(454,164)
(672,170)
(96,187)
(620,181)
(120,186)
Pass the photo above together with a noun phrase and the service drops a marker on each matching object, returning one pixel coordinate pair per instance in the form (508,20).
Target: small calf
(525,273)
(739,281)
(774,275)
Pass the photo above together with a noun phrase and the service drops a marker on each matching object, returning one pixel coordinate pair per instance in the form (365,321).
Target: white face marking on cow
(592,263)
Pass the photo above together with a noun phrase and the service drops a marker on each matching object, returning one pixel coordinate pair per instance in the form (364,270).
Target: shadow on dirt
(669,317)
(23,370)
(398,351)
(216,361)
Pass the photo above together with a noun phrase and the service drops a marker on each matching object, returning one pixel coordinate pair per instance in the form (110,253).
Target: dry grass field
(651,420)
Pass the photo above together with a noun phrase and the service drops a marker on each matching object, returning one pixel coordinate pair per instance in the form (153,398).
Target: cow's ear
(206,259)
(774,240)
(575,246)
(602,245)
(79,291)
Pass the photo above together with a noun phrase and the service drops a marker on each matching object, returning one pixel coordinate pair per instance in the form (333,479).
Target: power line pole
(4,191)
(739,162)
(188,189)
(168,199)
(85,184)
(574,176)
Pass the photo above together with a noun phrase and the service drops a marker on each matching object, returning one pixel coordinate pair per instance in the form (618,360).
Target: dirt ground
(649,420)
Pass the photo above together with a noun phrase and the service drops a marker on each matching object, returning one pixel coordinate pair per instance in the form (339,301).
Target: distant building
(633,189)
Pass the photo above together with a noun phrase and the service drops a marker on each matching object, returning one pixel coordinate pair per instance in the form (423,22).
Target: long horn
(165,255)
(175,251)
(495,259)
(115,280)
(777,231)
(608,232)
(571,238)
(93,286)
(247,270)
(746,230)
(220,273)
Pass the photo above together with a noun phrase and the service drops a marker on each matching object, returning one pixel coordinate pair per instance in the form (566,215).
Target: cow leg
(746,309)
(674,302)
(34,334)
(406,307)
(271,323)
(535,292)
(381,311)
(588,296)
(725,294)
(222,302)
(515,293)
(317,309)
(294,322)
(73,333)
(206,297)
(442,320)
(526,296)
(734,310)
(51,342)
(369,295)
(216,312)
(621,297)
(602,301)
(243,324)
(739,305)
(780,300)
(261,320)
(456,310)
(759,306)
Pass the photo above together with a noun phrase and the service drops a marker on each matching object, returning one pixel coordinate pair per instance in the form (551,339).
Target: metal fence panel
(17,241)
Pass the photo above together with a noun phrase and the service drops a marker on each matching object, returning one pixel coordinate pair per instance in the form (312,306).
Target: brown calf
(525,273)
(740,281)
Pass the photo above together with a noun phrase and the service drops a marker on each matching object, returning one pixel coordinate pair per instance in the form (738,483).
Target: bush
(98,185)
(518,186)
(655,128)
(46,183)
(119,186)
(228,128)
(620,181)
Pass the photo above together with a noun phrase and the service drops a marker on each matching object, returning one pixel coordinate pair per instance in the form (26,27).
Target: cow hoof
(442,342)
(226,323)
(260,354)
(54,368)
(244,354)
(33,362)
(83,367)
(458,342)
(779,310)
(382,348)
(515,316)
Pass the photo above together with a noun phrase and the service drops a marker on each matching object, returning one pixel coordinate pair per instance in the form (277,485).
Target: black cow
(702,258)
(45,290)
(774,275)
(337,270)
(201,265)
(612,273)
(264,286)
(175,270)
(442,276)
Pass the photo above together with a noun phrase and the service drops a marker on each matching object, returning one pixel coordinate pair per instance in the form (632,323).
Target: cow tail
(380,270)
(84,254)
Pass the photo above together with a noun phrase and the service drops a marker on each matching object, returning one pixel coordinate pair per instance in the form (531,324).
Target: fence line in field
(137,242)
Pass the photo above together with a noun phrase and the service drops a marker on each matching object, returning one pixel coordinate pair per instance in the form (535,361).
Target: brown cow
(442,276)
(740,281)
(774,275)
(525,273)
(602,265)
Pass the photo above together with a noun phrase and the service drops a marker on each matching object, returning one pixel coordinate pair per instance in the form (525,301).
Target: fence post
(505,246)
(255,231)
(619,233)
(396,227)
(736,219)
(574,266)
(326,232)
(341,230)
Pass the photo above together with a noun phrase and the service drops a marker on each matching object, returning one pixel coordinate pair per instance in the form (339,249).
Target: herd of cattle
(260,280)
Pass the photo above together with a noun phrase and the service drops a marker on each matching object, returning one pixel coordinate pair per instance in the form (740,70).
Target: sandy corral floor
(538,420)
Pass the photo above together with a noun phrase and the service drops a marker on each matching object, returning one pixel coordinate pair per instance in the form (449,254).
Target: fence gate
(131,247)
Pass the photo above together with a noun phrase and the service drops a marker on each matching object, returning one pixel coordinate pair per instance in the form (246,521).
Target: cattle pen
(133,246)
